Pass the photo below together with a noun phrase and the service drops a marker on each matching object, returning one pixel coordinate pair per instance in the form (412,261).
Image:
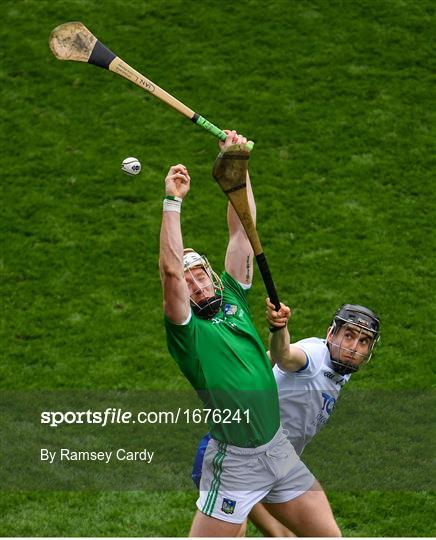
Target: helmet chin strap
(341,368)
(207,308)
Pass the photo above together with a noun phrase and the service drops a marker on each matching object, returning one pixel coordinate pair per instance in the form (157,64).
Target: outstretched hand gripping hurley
(230,172)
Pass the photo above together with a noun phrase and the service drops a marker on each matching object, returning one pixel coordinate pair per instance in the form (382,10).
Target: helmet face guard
(363,322)
(209,306)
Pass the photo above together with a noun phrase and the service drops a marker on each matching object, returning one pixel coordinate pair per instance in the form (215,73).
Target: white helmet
(208,307)
(192,259)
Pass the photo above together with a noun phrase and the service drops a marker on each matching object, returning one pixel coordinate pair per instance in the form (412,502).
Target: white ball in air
(131,166)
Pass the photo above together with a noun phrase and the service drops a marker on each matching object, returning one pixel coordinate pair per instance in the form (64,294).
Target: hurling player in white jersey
(310,375)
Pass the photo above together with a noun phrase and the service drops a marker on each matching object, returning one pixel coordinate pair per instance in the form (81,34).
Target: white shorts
(234,479)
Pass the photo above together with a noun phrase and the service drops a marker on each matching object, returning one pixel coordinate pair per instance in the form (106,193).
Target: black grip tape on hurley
(101,56)
(267,279)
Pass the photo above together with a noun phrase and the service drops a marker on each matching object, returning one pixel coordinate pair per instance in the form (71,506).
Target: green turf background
(339,97)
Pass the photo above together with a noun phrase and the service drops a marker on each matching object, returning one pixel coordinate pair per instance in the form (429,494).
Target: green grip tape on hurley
(208,126)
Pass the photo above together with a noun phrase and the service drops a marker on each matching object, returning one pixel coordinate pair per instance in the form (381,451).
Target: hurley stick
(73,41)
(230,171)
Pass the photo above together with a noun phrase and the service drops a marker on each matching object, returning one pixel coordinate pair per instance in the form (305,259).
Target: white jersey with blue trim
(307,397)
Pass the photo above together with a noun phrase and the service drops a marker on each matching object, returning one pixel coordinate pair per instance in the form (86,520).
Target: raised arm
(175,290)
(239,255)
(287,356)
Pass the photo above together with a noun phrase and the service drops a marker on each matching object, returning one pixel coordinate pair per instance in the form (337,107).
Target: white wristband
(172,204)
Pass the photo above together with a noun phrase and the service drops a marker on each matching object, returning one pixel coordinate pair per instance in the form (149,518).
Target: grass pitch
(339,98)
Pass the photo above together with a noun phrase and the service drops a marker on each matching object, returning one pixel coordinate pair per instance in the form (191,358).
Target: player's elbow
(169,271)
(238,234)
(286,362)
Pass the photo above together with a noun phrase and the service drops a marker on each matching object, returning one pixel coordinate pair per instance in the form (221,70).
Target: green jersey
(225,361)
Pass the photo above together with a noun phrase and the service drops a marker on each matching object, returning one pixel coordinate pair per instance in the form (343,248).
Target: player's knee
(329,529)
(242,530)
(334,531)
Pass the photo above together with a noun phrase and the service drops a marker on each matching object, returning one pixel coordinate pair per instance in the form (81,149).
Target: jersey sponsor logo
(328,403)
(230,309)
(327,407)
(228,506)
(320,419)
(219,321)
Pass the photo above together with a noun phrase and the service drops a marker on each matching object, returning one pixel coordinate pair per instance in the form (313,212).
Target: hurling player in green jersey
(212,338)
